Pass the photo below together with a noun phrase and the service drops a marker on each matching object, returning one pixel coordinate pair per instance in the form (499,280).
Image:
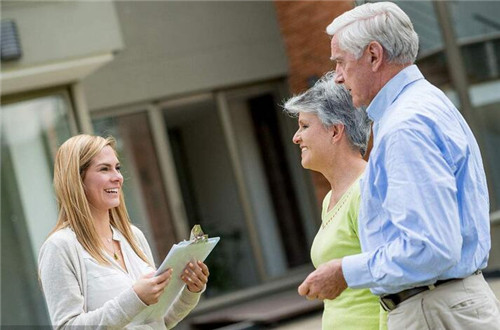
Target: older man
(424,222)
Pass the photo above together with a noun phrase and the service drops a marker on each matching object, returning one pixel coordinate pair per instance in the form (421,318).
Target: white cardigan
(63,278)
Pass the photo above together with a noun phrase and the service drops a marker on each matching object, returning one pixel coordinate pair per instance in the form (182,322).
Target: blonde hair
(72,160)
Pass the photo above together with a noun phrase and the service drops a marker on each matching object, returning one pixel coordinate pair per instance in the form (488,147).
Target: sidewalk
(313,321)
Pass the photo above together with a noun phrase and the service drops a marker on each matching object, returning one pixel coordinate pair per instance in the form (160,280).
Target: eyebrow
(106,164)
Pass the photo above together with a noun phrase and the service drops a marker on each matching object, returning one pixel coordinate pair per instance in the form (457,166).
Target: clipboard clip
(197,235)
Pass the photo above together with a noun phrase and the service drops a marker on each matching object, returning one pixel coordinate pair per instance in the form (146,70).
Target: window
(228,161)
(31,131)
(143,187)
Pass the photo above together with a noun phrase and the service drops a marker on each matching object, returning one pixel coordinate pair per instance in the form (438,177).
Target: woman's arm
(195,276)
(61,280)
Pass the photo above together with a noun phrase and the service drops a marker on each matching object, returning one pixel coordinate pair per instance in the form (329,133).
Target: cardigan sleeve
(59,272)
(185,302)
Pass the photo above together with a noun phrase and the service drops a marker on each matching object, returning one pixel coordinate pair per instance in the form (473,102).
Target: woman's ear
(376,53)
(336,132)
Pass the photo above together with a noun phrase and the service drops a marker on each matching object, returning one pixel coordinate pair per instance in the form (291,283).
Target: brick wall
(303,27)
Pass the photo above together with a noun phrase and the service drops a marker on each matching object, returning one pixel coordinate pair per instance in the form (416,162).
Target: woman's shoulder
(63,238)
(60,246)
(137,232)
(139,236)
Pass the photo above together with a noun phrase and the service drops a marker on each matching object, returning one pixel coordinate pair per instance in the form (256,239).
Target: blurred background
(192,90)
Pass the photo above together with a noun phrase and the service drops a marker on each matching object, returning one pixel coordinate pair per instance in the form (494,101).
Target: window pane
(145,196)
(210,193)
(31,132)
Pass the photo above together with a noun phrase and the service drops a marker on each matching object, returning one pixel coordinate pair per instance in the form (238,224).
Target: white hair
(332,104)
(383,22)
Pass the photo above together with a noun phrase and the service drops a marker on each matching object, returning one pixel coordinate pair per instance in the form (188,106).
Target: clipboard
(182,253)
(197,248)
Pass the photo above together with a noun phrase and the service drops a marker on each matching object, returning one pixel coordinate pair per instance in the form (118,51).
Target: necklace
(344,198)
(116,255)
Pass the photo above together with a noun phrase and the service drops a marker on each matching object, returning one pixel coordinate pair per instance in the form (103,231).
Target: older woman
(96,269)
(332,137)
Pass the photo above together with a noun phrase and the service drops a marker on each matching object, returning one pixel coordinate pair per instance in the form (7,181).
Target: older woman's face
(103,181)
(314,141)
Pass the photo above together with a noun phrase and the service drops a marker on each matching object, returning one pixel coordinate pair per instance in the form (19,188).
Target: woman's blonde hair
(72,160)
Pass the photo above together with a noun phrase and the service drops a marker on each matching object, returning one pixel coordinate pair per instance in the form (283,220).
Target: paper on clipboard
(180,254)
(197,248)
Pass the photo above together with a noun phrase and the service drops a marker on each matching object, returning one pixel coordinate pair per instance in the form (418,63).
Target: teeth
(112,191)
(303,148)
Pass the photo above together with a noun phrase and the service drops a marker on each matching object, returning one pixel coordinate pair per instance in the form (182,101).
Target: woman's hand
(195,276)
(149,287)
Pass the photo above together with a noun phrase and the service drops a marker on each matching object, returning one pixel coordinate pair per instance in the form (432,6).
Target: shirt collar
(116,234)
(391,90)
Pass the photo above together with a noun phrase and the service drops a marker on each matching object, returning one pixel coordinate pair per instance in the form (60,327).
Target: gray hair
(383,22)
(332,104)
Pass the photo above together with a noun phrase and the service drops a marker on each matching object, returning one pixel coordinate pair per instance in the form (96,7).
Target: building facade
(192,91)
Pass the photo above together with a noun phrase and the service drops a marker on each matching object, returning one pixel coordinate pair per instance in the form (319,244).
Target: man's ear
(376,53)
(336,131)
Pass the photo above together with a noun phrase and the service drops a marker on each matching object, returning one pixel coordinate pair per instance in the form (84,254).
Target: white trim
(169,174)
(47,75)
(243,191)
(185,100)
(81,109)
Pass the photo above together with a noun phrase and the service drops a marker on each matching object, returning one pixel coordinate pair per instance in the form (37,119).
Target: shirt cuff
(356,272)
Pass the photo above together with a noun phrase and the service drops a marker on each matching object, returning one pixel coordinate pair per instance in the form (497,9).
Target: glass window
(254,249)
(210,193)
(490,114)
(31,131)
(237,179)
(143,187)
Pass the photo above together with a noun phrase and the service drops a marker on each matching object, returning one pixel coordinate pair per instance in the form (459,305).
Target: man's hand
(326,282)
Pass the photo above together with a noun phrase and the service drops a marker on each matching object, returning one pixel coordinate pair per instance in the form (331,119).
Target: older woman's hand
(195,276)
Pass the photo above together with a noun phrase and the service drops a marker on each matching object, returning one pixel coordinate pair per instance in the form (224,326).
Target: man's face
(355,74)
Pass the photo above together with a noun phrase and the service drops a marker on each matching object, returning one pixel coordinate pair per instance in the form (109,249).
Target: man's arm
(417,190)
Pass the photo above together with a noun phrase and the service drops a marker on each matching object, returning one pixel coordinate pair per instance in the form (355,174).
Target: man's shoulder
(422,97)
(421,103)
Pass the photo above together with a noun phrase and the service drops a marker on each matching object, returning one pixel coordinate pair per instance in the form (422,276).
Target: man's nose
(339,78)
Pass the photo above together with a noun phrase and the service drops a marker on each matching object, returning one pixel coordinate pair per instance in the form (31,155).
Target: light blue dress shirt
(425,211)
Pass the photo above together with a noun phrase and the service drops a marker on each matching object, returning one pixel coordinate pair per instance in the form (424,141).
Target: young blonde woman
(96,269)
(332,137)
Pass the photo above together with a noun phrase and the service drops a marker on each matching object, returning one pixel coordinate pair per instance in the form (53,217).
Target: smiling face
(355,74)
(314,140)
(103,181)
